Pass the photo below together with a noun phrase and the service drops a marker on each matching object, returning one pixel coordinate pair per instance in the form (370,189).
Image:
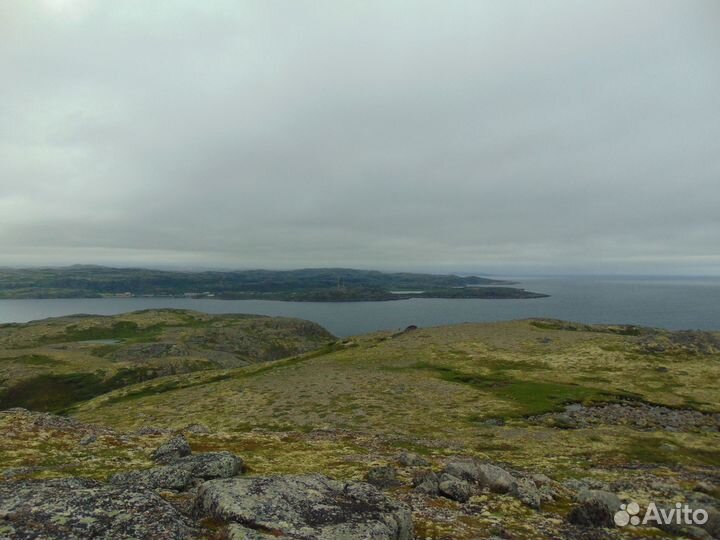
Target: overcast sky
(484,136)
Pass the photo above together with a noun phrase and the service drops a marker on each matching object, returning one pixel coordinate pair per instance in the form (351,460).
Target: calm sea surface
(675,303)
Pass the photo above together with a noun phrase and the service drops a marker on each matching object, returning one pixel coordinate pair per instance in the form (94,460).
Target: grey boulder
(496,479)
(209,465)
(595,508)
(382,477)
(305,507)
(410,459)
(164,477)
(466,469)
(426,482)
(172,450)
(454,488)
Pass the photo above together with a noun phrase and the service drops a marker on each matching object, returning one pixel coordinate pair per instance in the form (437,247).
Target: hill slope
(54,363)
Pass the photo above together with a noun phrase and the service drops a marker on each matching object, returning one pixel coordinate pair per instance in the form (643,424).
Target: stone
(528,493)
(496,479)
(182,473)
(76,509)
(88,439)
(209,465)
(466,469)
(542,480)
(410,459)
(383,477)
(165,477)
(197,429)
(454,488)
(172,450)
(308,507)
(426,482)
(596,508)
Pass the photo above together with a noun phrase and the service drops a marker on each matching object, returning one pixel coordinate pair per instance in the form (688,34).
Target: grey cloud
(501,136)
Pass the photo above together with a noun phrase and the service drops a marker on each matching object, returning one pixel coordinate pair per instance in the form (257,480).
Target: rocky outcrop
(182,471)
(164,477)
(75,509)
(305,507)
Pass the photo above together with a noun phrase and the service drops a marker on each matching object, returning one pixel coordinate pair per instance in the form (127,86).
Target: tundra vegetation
(523,429)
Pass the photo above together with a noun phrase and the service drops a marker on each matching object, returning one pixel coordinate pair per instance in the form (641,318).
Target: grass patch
(669,452)
(33,360)
(59,392)
(51,392)
(530,397)
(162,387)
(126,330)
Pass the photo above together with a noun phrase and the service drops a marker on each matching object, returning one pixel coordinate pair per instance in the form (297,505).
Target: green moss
(59,392)
(165,384)
(33,360)
(51,392)
(666,451)
(530,397)
(127,330)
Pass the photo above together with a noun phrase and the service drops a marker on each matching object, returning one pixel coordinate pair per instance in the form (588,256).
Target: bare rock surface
(305,507)
(75,509)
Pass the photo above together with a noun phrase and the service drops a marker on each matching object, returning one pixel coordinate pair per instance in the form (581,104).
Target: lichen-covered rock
(426,482)
(74,509)
(305,507)
(454,488)
(496,479)
(183,471)
(383,477)
(528,493)
(88,439)
(595,508)
(164,477)
(197,429)
(172,450)
(466,469)
(209,465)
(410,459)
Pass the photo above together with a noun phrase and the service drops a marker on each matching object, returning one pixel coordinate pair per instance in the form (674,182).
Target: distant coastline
(305,285)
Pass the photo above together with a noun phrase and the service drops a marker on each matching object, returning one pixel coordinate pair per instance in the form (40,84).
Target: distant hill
(53,363)
(311,284)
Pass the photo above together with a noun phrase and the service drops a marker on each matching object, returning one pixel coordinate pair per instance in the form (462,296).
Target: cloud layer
(509,136)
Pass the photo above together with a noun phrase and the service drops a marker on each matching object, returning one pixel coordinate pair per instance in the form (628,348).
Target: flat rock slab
(75,509)
(306,507)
